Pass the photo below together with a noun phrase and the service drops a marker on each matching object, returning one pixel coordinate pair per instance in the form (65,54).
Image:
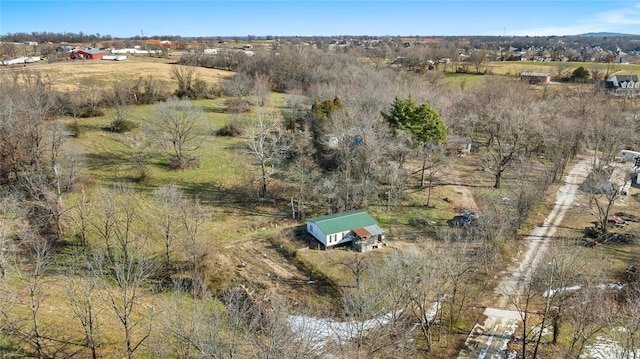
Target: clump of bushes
(122,126)
(184,163)
(238,106)
(232,128)
(88,111)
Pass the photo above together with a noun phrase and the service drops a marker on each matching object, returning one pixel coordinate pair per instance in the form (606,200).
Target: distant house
(623,82)
(536,77)
(66,49)
(20,60)
(114,57)
(357,228)
(458,144)
(90,54)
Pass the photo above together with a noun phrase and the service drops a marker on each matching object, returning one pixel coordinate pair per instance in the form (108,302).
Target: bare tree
(427,294)
(478,58)
(128,271)
(89,95)
(588,316)
(12,220)
(377,307)
(26,297)
(238,86)
(432,163)
(628,316)
(185,77)
(141,150)
(82,291)
(123,262)
(120,112)
(304,173)
(261,90)
(509,121)
(397,180)
(177,128)
(267,143)
(105,219)
(192,217)
(562,69)
(603,194)
(168,200)
(191,329)
(79,215)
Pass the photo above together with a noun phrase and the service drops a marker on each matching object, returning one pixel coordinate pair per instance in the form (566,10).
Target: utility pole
(143,40)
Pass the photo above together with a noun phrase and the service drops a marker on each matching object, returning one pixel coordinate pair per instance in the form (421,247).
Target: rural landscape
(319,197)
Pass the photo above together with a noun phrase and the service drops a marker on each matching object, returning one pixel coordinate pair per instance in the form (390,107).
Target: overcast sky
(329,17)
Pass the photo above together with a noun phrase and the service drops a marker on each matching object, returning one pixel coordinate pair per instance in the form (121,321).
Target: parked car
(465,220)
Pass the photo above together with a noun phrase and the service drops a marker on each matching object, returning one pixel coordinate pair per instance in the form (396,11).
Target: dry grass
(514,68)
(72,75)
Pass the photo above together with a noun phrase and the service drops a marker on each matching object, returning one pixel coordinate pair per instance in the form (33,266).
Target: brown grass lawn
(514,68)
(70,75)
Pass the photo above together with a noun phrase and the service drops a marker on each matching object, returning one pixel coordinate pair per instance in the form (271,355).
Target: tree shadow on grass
(215,109)
(102,160)
(238,198)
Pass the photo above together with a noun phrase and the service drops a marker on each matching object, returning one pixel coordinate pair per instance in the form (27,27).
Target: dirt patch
(463,200)
(263,265)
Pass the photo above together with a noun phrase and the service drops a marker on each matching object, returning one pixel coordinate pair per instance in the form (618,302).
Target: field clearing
(514,68)
(72,75)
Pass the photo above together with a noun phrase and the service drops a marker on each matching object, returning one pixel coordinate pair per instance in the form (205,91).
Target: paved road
(490,339)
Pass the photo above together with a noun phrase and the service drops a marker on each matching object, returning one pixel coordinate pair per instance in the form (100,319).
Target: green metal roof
(343,221)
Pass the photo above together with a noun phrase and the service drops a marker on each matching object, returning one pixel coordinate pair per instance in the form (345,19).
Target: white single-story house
(355,227)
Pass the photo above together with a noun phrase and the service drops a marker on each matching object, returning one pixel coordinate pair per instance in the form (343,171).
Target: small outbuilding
(536,77)
(357,228)
(458,144)
(114,57)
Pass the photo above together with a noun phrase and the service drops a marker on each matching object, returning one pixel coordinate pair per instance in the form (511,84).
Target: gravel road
(490,339)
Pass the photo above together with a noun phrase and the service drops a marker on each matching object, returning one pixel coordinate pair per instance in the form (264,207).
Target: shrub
(184,163)
(233,128)
(88,111)
(122,126)
(238,106)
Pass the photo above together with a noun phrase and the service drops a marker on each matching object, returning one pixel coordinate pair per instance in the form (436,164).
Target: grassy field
(514,68)
(96,74)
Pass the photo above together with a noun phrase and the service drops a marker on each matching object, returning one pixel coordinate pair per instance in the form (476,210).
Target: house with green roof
(355,227)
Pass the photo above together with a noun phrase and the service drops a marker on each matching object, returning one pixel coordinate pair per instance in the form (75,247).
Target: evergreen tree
(423,122)
(580,75)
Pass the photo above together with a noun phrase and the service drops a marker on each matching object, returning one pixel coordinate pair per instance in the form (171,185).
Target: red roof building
(91,54)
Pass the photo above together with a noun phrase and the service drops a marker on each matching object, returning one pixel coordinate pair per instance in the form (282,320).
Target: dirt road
(490,339)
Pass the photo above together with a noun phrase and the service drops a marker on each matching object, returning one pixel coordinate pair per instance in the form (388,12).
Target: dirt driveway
(490,339)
